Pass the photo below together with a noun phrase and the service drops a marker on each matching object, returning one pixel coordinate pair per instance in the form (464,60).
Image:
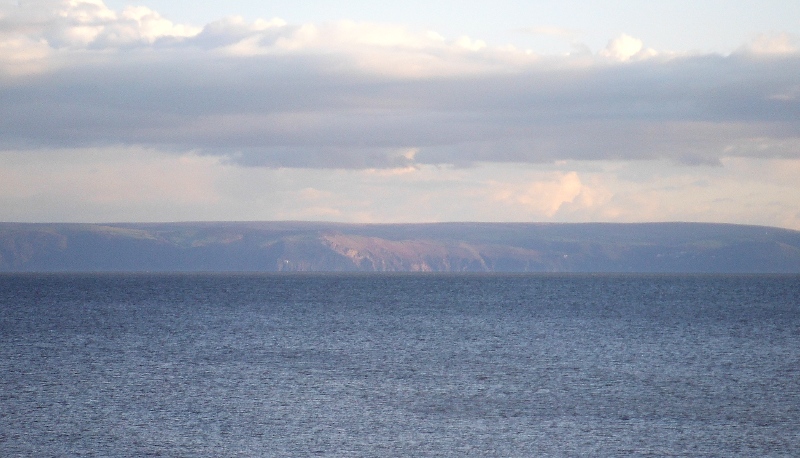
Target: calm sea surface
(399,365)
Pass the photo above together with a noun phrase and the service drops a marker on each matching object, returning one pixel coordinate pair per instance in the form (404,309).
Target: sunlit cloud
(772,44)
(625,48)
(544,198)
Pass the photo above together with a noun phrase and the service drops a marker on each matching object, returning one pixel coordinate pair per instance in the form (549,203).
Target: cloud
(625,48)
(772,44)
(350,95)
(132,184)
(87,24)
(545,198)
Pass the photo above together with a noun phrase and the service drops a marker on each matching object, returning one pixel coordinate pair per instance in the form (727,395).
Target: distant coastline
(431,247)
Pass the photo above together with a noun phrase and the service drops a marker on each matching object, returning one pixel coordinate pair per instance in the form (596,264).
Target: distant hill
(440,247)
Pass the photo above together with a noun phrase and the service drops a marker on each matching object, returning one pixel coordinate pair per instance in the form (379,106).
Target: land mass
(436,247)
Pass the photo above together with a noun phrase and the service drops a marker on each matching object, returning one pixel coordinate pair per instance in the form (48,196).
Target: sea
(399,365)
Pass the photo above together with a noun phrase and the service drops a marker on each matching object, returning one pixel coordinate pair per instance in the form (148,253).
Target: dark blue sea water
(399,365)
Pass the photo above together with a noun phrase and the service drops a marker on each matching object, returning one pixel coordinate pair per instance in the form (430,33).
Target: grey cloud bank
(358,96)
(125,115)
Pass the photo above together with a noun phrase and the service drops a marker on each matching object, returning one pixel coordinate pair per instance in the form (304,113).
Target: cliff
(441,247)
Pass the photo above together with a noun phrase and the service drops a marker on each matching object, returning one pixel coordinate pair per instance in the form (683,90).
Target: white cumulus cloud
(80,24)
(625,48)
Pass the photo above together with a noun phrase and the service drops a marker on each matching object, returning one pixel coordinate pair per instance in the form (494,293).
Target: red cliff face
(382,255)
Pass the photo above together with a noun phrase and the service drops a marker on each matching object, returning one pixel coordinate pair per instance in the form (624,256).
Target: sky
(356,111)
